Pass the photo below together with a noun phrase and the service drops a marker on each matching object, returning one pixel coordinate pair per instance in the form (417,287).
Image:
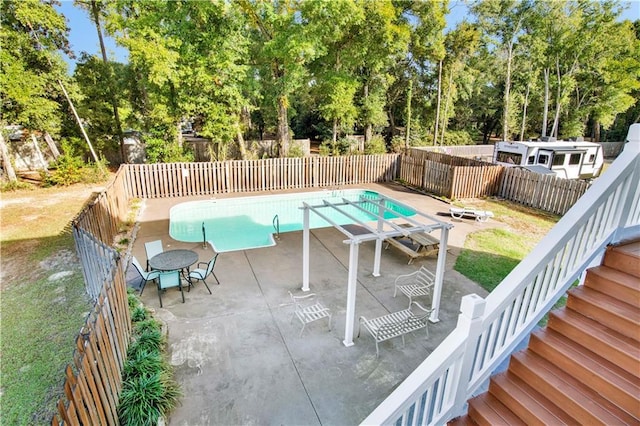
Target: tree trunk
(283,126)
(545,112)
(6,161)
(335,130)
(524,112)
(241,145)
(507,89)
(596,131)
(95,12)
(368,129)
(435,132)
(408,130)
(445,115)
(556,119)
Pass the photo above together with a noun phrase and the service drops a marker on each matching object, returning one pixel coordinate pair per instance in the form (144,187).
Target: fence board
(545,192)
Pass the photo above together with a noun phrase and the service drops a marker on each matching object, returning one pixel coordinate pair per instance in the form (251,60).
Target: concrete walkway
(237,353)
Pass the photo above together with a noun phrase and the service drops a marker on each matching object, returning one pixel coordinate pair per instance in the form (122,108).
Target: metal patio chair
(152,248)
(202,273)
(146,276)
(309,309)
(418,283)
(168,280)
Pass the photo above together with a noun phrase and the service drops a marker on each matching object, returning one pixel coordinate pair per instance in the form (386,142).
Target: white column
(351,294)
(441,265)
(378,253)
(305,249)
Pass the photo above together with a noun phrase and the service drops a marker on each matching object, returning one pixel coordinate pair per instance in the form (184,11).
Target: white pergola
(384,229)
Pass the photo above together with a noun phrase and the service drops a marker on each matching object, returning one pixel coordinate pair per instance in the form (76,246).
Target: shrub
(70,168)
(148,390)
(375,146)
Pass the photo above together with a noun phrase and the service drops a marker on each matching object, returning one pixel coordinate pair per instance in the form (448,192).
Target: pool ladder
(276,226)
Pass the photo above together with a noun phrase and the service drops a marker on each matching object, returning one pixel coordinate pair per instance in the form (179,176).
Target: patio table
(175,260)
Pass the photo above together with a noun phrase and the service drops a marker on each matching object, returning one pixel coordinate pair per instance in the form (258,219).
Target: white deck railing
(489,329)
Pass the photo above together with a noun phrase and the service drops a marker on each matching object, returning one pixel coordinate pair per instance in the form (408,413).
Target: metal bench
(395,324)
(418,283)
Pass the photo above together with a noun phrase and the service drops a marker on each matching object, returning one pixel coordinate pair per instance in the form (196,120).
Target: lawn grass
(490,254)
(41,313)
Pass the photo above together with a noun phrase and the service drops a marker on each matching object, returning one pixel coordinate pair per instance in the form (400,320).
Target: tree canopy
(326,69)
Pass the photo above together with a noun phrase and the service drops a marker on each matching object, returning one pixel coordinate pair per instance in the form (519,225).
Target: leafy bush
(70,168)
(148,390)
(397,144)
(160,150)
(375,146)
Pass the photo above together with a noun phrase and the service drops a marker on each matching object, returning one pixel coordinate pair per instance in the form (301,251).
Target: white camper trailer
(565,159)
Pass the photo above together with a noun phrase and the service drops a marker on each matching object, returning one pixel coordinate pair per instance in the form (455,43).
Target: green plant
(375,146)
(149,390)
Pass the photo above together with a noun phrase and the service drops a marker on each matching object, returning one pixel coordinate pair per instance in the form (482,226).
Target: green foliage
(70,168)
(342,146)
(397,144)
(375,146)
(160,150)
(149,390)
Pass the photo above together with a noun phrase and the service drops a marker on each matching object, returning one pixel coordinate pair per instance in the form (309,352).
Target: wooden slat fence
(96,258)
(103,215)
(191,179)
(93,384)
(453,179)
(545,192)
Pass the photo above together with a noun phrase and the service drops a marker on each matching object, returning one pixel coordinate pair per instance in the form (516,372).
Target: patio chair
(202,273)
(309,309)
(146,276)
(168,280)
(418,283)
(152,248)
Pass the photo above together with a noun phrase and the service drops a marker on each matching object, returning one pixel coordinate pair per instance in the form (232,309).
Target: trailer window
(592,158)
(509,157)
(531,159)
(574,159)
(543,159)
(558,160)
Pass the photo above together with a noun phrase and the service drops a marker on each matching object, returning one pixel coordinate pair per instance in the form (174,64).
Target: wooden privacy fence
(545,192)
(189,179)
(93,384)
(451,177)
(103,216)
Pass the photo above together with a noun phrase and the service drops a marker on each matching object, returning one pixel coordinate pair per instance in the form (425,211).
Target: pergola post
(440,266)
(378,252)
(305,249)
(351,294)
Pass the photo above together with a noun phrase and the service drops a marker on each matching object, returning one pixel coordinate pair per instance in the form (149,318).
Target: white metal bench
(395,324)
(479,215)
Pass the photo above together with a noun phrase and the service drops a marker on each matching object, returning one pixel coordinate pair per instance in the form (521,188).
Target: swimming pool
(250,222)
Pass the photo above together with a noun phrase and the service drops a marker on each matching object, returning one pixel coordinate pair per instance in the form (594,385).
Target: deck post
(351,294)
(442,259)
(305,249)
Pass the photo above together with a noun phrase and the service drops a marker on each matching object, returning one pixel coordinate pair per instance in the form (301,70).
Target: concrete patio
(237,353)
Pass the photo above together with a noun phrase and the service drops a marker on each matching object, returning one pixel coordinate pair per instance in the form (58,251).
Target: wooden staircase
(584,367)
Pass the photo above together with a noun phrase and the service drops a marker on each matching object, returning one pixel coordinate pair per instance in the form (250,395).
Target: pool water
(249,222)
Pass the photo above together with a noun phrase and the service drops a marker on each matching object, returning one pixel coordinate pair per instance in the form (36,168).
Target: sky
(84,38)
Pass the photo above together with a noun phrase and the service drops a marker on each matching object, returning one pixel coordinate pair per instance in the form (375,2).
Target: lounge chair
(479,215)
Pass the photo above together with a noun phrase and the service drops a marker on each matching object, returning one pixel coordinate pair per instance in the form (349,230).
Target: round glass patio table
(173,260)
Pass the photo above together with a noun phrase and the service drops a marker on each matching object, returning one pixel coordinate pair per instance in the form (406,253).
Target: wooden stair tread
(586,366)
(582,403)
(486,409)
(624,257)
(615,283)
(623,350)
(606,304)
(528,404)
